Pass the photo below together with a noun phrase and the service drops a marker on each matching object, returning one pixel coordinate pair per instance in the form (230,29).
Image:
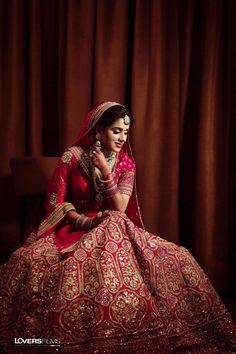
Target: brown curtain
(172,62)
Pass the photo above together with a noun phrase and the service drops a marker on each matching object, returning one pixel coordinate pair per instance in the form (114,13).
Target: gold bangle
(68,207)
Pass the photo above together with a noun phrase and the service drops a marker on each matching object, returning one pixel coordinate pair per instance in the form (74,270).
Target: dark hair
(112,114)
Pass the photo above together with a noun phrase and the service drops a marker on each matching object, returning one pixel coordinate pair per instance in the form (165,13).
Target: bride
(91,279)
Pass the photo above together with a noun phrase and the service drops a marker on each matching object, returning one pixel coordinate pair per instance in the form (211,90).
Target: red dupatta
(58,210)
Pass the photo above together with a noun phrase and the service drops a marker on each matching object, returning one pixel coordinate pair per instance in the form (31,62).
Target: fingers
(100,217)
(106,213)
(96,154)
(97,151)
(103,214)
(99,160)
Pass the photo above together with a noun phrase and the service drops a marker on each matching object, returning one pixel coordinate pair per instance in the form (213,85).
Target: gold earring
(98,142)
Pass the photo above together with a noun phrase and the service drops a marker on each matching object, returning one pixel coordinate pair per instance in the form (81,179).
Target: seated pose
(91,279)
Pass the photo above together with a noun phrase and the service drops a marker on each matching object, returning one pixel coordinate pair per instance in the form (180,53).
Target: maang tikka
(126,120)
(98,142)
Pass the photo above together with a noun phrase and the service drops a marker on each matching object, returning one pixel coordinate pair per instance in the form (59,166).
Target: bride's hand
(100,161)
(99,218)
(89,222)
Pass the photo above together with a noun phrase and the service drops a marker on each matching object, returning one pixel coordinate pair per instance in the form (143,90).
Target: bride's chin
(116,149)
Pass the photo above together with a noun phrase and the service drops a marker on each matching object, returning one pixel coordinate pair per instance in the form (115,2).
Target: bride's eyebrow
(120,129)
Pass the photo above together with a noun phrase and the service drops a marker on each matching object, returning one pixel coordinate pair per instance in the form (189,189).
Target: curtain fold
(173,64)
(155,101)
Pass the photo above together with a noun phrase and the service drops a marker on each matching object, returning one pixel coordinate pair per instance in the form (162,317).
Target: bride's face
(114,136)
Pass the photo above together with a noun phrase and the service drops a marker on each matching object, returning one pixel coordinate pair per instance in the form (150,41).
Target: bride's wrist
(106,173)
(84,222)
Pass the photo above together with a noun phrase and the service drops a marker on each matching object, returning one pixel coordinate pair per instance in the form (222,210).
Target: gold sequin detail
(91,278)
(53,199)
(128,309)
(70,280)
(80,317)
(66,157)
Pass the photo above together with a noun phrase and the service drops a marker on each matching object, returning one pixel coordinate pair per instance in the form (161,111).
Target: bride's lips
(119,144)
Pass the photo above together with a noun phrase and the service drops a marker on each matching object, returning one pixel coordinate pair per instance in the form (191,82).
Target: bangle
(84,222)
(77,220)
(68,207)
(110,188)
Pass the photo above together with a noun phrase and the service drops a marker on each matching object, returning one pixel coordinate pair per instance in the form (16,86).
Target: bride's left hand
(100,161)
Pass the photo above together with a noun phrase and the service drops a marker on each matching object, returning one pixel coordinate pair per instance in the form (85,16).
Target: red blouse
(72,181)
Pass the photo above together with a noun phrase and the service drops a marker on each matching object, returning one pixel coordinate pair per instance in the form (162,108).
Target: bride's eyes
(119,131)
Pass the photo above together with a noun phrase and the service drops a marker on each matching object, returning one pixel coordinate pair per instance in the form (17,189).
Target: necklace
(96,174)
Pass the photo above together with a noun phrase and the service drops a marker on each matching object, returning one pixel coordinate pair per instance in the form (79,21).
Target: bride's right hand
(100,161)
(99,218)
(87,223)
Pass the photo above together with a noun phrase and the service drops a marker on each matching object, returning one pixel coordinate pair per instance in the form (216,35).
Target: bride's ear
(98,130)
(98,136)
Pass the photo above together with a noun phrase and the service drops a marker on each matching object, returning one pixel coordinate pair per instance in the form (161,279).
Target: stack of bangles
(108,187)
(83,222)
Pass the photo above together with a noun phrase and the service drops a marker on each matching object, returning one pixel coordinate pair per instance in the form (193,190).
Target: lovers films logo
(37,341)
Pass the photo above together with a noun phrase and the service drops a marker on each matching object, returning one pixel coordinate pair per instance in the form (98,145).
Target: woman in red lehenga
(92,278)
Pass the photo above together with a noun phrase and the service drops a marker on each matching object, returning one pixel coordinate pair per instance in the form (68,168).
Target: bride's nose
(122,137)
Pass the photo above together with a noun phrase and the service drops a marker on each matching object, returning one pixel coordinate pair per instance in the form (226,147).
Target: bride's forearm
(118,202)
(72,216)
(115,200)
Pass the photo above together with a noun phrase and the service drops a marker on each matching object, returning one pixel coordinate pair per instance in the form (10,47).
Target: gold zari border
(56,215)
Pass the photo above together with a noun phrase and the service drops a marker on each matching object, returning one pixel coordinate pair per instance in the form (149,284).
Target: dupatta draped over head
(84,140)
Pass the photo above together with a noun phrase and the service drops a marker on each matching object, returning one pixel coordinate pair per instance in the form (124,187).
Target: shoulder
(73,153)
(126,162)
(75,156)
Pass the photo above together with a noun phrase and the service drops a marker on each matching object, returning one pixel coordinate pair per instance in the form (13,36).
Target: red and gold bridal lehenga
(115,289)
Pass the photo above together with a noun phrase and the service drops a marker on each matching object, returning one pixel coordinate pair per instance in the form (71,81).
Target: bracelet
(107,176)
(84,222)
(110,189)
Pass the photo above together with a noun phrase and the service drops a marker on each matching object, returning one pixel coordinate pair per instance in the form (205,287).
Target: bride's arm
(117,196)
(118,201)
(57,195)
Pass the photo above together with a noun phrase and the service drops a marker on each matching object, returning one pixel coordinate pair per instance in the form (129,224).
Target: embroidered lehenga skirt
(118,289)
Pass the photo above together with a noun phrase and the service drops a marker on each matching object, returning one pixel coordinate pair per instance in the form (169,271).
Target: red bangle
(109,176)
